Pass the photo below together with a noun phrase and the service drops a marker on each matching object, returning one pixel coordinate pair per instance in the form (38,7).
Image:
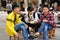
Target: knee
(43,23)
(46,28)
(22,27)
(23,23)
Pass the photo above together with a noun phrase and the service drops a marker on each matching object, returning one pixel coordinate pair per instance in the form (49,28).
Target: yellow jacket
(10,23)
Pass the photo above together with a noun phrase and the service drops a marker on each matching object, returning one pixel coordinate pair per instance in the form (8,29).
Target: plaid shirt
(49,17)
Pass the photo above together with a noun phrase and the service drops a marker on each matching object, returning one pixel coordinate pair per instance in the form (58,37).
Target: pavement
(4,36)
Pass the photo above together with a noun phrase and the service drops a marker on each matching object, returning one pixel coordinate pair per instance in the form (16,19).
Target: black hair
(40,4)
(14,6)
(45,6)
(21,4)
(51,9)
(30,8)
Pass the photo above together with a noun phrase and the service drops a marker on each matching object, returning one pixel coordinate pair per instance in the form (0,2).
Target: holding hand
(35,21)
(26,26)
(45,20)
(16,35)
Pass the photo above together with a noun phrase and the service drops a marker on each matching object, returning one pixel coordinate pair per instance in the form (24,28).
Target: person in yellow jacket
(14,24)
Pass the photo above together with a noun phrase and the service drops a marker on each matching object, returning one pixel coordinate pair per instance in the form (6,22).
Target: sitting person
(47,22)
(14,24)
(31,19)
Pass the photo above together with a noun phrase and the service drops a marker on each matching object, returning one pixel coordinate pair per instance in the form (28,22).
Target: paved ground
(4,36)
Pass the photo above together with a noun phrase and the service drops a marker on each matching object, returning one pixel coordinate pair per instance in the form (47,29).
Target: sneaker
(37,34)
(31,37)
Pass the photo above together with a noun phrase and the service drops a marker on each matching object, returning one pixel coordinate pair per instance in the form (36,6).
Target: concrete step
(58,25)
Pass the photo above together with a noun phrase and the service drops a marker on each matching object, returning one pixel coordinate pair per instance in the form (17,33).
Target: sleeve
(41,18)
(26,19)
(10,26)
(18,19)
(36,17)
(51,19)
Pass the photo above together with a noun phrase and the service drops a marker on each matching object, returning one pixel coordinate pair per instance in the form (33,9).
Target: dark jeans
(34,26)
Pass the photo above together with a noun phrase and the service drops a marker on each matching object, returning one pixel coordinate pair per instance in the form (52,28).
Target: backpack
(34,15)
(37,14)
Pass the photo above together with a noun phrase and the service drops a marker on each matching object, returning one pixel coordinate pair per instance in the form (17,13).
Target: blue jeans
(21,26)
(44,27)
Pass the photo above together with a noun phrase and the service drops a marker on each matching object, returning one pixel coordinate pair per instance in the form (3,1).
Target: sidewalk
(4,36)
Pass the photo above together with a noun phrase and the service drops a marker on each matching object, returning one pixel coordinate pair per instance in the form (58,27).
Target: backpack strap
(34,14)
(37,15)
(28,15)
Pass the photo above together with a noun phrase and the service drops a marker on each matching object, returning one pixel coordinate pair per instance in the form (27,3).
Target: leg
(50,31)
(21,26)
(10,38)
(35,28)
(43,24)
(45,33)
(45,30)
(42,27)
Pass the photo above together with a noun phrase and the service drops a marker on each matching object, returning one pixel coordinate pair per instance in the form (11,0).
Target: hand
(26,26)
(35,21)
(28,21)
(16,35)
(25,16)
(45,20)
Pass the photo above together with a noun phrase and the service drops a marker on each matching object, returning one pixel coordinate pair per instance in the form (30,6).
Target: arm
(36,16)
(41,18)
(51,19)
(10,27)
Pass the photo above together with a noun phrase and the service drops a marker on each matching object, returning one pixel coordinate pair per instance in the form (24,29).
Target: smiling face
(16,10)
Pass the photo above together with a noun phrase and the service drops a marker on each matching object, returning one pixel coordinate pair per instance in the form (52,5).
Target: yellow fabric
(10,24)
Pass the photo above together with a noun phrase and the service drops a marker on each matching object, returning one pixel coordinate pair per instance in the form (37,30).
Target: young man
(30,20)
(14,24)
(47,22)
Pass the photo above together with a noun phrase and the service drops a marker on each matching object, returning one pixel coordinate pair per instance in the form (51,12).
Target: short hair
(30,8)
(14,6)
(45,6)
(22,2)
(51,9)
